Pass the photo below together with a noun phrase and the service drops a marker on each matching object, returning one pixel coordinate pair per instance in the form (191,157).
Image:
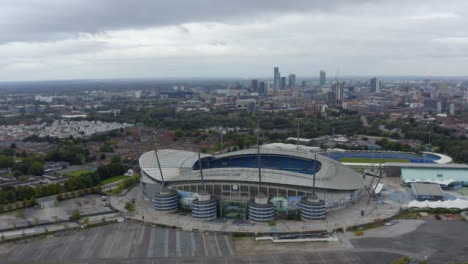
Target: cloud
(451,40)
(46,20)
(77,39)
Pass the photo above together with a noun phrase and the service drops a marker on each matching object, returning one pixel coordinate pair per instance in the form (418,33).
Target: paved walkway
(343,217)
(37,230)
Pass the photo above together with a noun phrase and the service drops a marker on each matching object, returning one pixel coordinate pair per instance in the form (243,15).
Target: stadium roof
(177,166)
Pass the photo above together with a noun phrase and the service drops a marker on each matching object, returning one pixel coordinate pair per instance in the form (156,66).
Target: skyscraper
(263,89)
(254,85)
(276,78)
(374,85)
(340,92)
(323,78)
(283,83)
(292,81)
(331,99)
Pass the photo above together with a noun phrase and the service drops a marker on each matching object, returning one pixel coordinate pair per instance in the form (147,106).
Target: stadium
(232,179)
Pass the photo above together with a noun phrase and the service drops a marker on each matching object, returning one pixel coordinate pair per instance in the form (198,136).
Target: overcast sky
(88,39)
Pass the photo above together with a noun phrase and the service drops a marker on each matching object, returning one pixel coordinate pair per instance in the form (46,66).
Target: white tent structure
(457,203)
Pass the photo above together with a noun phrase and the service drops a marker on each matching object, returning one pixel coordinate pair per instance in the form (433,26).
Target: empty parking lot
(125,240)
(135,243)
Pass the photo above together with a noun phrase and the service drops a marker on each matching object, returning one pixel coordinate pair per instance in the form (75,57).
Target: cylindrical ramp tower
(312,208)
(260,210)
(204,207)
(166,200)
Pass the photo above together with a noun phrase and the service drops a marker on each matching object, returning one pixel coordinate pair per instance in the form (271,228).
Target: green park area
(371,160)
(113,179)
(78,172)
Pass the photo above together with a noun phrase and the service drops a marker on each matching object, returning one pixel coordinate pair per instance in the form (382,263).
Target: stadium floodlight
(157,158)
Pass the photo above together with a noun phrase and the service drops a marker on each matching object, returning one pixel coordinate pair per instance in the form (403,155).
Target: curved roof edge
(177,166)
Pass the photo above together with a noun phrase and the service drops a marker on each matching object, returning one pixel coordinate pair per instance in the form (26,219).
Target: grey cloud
(60,39)
(24,20)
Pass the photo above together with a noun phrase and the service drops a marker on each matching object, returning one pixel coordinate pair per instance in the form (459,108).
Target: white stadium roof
(177,167)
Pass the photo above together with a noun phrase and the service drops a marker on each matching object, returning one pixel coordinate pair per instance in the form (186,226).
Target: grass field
(368,160)
(78,172)
(113,179)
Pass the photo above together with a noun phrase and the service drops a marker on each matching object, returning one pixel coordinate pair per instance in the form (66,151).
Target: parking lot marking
(274,260)
(228,243)
(46,244)
(346,258)
(178,243)
(217,245)
(151,243)
(204,244)
(321,258)
(298,259)
(166,244)
(19,255)
(194,244)
(90,246)
(68,245)
(113,240)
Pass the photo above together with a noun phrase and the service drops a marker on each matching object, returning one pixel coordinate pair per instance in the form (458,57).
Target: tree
(106,147)
(116,159)
(73,153)
(36,168)
(6,161)
(8,151)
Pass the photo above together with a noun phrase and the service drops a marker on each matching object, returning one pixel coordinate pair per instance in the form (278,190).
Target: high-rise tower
(276,78)
(292,81)
(323,77)
(374,85)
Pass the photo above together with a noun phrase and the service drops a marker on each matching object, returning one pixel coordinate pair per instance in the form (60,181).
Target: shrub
(75,215)
(129,207)
(32,201)
(359,233)
(402,260)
